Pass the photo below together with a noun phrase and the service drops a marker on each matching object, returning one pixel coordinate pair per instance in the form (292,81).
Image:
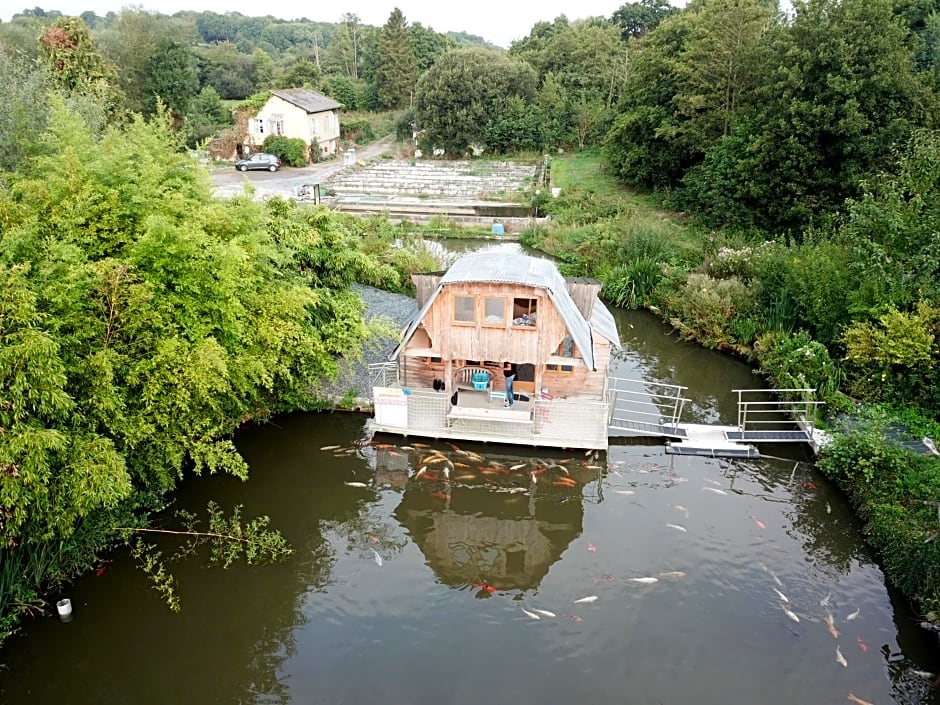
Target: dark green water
(441,621)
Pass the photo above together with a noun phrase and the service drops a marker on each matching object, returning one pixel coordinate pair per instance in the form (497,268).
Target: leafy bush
(897,357)
(632,285)
(796,361)
(291,150)
(704,308)
(356,130)
(894,492)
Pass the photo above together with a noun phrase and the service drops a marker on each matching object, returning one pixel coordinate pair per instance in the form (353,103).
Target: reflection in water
(486,537)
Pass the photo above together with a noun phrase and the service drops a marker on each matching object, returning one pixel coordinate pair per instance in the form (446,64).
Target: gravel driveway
(230,182)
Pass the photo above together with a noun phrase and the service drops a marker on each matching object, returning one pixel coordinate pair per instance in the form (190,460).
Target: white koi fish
(544,613)
(378,558)
(672,574)
(714,489)
(857,700)
(791,615)
(530,615)
(852,617)
(645,581)
(589,598)
(517,467)
(356,484)
(840,659)
(923,674)
(825,601)
(625,493)
(677,527)
(330,447)
(828,508)
(776,579)
(781,595)
(423,469)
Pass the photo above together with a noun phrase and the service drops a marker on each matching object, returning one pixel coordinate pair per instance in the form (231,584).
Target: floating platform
(711,441)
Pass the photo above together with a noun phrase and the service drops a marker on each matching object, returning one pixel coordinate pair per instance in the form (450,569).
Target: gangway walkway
(643,408)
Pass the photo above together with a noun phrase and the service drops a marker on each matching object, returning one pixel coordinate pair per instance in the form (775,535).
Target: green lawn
(585,171)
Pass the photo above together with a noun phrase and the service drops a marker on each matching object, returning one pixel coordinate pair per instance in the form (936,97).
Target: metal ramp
(769,436)
(650,429)
(645,408)
(642,408)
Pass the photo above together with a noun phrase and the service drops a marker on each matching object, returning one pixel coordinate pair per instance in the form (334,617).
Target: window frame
(533,308)
(458,322)
(488,324)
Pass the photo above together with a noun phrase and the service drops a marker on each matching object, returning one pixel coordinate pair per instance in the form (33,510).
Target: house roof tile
(311,101)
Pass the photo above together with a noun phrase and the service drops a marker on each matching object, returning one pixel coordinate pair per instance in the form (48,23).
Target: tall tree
(342,52)
(637,18)
(642,147)
(71,55)
(24,101)
(457,96)
(170,77)
(428,45)
(398,66)
(154,57)
(842,93)
(719,64)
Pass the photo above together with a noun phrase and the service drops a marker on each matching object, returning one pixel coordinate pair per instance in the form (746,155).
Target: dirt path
(231,182)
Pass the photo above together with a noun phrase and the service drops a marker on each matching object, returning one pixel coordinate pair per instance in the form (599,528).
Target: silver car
(262,160)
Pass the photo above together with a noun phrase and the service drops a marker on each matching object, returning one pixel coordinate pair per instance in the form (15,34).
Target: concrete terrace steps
(468,180)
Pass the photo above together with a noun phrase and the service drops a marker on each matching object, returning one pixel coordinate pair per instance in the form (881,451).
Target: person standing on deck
(509,372)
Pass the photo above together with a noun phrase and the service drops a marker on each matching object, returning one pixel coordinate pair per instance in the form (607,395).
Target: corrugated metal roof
(602,320)
(311,101)
(530,271)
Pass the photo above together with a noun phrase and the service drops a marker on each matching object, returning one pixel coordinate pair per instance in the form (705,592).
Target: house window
(256,126)
(494,311)
(277,124)
(314,129)
(524,312)
(465,309)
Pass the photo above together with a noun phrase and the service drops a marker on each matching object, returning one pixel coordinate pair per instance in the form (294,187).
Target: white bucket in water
(64,607)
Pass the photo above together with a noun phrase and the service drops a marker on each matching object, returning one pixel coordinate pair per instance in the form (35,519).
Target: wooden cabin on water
(445,378)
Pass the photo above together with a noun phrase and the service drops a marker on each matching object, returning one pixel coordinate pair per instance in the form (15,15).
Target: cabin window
(494,311)
(524,312)
(465,309)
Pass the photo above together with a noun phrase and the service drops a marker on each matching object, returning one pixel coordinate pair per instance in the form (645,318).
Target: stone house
(300,113)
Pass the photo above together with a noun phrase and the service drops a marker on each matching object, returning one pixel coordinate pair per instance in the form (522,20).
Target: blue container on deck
(498,229)
(480,381)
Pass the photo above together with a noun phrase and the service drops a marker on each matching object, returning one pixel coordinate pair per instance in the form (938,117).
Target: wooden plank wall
(458,343)
(584,292)
(425,284)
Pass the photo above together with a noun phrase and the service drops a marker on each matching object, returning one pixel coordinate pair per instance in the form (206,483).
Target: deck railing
(792,409)
(559,423)
(644,406)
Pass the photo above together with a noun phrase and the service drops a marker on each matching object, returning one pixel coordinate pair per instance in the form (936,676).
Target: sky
(498,21)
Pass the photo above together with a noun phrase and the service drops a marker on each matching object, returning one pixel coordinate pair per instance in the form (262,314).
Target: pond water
(425,591)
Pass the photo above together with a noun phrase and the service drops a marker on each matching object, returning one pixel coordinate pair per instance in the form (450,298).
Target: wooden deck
(557,423)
